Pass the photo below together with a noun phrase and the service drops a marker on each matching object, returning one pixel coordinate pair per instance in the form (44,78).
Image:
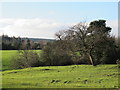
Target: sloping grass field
(74,76)
(81,76)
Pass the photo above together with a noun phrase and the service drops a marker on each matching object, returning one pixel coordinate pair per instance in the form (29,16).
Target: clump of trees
(81,43)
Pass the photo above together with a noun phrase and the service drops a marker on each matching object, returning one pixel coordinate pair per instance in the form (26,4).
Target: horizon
(28,37)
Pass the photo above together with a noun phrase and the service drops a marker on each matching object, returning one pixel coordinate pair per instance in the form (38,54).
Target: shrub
(26,58)
(56,53)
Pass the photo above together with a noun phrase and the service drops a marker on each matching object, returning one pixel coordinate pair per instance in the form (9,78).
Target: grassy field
(81,76)
(7,57)
(74,76)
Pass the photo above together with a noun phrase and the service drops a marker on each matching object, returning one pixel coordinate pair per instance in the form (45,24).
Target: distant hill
(39,39)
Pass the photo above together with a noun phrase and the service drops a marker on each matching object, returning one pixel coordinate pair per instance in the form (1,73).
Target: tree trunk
(91,60)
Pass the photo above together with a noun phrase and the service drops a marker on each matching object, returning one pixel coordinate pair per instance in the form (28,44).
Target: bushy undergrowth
(26,58)
(54,54)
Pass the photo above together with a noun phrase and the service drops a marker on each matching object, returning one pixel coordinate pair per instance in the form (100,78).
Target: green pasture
(7,57)
(74,76)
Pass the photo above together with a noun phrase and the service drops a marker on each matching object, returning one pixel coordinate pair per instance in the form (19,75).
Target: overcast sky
(43,19)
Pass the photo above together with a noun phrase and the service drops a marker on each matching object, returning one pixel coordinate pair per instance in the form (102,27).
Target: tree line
(79,44)
(17,43)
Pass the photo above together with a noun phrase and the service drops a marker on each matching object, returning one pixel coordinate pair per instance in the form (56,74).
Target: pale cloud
(30,27)
(39,28)
(114,25)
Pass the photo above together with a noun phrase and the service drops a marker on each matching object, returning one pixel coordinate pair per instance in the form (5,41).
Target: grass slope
(74,76)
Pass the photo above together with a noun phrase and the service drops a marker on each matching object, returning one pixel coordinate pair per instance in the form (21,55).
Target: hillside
(74,76)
